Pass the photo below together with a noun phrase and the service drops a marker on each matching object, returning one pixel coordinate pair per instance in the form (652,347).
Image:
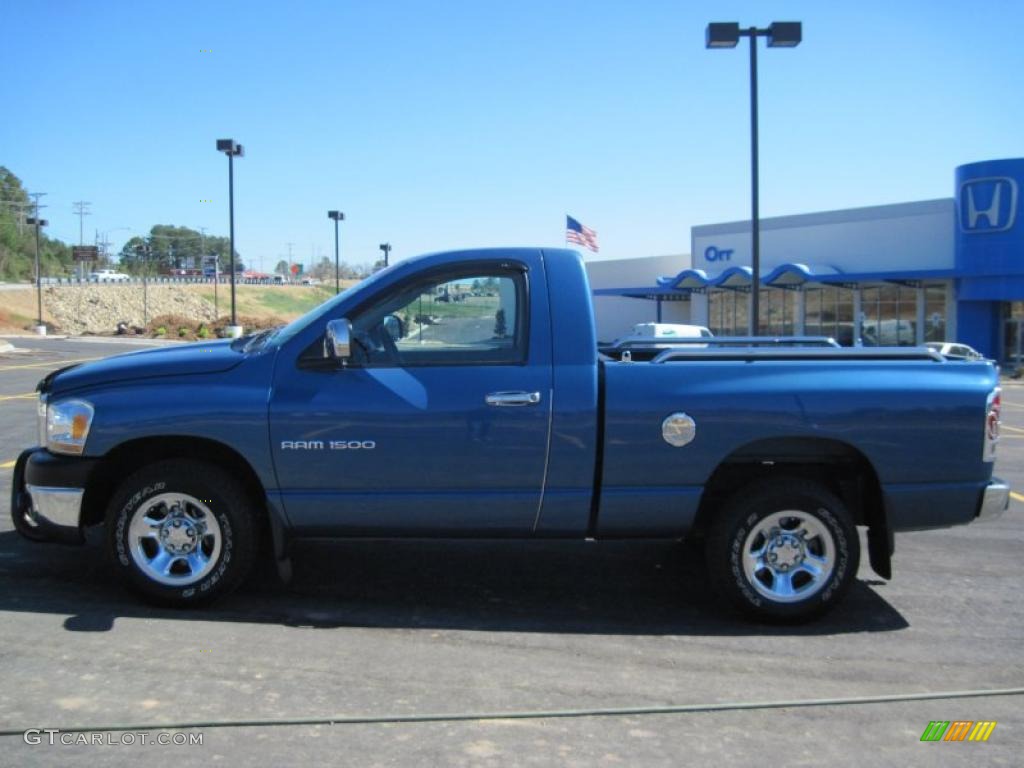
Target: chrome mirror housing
(338,340)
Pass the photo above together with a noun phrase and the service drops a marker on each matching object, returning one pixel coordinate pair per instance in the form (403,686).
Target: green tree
(17,238)
(174,247)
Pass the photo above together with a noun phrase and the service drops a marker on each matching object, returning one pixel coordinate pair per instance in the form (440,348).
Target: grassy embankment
(268,304)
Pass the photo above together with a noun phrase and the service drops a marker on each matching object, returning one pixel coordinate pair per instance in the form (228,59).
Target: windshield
(286,332)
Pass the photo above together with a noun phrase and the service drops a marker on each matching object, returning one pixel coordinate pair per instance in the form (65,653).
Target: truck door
(440,423)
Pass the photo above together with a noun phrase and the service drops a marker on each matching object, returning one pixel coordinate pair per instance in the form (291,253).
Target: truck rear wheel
(783,550)
(181,532)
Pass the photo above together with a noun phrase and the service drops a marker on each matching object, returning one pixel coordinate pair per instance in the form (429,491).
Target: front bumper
(995,500)
(46,495)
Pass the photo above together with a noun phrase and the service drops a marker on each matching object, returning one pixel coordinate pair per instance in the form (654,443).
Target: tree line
(165,248)
(18,238)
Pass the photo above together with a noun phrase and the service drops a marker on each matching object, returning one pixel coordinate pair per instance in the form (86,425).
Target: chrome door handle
(503,399)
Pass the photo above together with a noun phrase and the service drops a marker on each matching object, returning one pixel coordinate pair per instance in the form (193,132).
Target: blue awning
(793,274)
(688,278)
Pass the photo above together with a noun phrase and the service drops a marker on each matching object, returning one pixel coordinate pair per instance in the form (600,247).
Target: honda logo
(988,205)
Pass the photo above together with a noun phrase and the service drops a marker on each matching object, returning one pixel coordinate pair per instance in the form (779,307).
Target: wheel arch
(838,465)
(131,455)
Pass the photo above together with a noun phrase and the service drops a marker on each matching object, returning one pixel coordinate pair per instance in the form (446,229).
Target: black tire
(220,504)
(755,586)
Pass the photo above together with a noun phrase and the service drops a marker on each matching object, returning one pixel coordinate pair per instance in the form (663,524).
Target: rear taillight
(993,410)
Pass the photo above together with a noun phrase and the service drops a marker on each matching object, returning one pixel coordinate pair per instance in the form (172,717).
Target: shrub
(161,331)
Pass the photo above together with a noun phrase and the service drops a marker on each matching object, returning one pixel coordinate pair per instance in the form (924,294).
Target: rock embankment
(99,308)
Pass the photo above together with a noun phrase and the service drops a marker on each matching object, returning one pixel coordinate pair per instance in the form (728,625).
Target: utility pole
(81,209)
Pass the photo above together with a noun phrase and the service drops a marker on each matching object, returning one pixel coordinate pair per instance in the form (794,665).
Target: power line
(81,211)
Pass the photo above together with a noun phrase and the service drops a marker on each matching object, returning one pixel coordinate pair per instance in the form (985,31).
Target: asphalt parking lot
(389,630)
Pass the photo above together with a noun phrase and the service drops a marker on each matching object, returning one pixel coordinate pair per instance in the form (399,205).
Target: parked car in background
(108,276)
(954,351)
(648,332)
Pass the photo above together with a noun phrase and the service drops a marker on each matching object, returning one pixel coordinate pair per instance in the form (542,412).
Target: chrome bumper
(995,500)
(56,506)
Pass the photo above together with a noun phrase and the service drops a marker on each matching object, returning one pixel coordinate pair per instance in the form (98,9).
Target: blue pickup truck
(464,394)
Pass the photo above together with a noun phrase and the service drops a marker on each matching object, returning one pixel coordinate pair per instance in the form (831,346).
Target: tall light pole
(37,222)
(386,247)
(336,216)
(232,150)
(780,34)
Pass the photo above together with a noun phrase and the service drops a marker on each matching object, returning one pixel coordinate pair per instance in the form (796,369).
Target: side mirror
(338,340)
(394,327)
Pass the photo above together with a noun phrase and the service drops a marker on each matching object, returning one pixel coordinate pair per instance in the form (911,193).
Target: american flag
(579,234)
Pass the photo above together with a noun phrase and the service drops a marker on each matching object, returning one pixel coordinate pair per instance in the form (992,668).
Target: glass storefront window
(728,312)
(889,316)
(828,311)
(935,313)
(889,313)
(776,315)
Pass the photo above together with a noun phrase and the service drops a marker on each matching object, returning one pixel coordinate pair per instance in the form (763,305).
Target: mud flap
(881,544)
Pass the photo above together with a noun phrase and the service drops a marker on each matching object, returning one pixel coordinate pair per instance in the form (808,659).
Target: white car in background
(951,350)
(652,333)
(108,276)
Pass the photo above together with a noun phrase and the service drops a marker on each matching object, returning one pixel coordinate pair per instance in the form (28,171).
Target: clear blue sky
(456,124)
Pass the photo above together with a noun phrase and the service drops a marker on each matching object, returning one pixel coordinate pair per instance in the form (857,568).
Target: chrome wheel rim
(175,539)
(788,556)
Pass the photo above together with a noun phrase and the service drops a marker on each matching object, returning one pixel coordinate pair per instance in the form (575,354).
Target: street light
(232,150)
(780,34)
(40,326)
(336,216)
(386,247)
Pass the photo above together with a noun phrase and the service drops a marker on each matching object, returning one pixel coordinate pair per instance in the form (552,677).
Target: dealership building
(901,274)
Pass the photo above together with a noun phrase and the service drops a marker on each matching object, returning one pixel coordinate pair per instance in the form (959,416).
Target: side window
(471,319)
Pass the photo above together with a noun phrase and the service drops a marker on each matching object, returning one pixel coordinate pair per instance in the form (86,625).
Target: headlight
(41,420)
(67,426)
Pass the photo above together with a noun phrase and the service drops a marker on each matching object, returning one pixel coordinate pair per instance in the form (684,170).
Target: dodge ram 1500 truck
(387,412)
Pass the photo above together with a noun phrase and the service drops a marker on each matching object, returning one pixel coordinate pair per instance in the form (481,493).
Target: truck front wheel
(783,550)
(181,532)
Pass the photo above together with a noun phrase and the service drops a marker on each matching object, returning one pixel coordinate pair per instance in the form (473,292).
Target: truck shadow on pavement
(617,588)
